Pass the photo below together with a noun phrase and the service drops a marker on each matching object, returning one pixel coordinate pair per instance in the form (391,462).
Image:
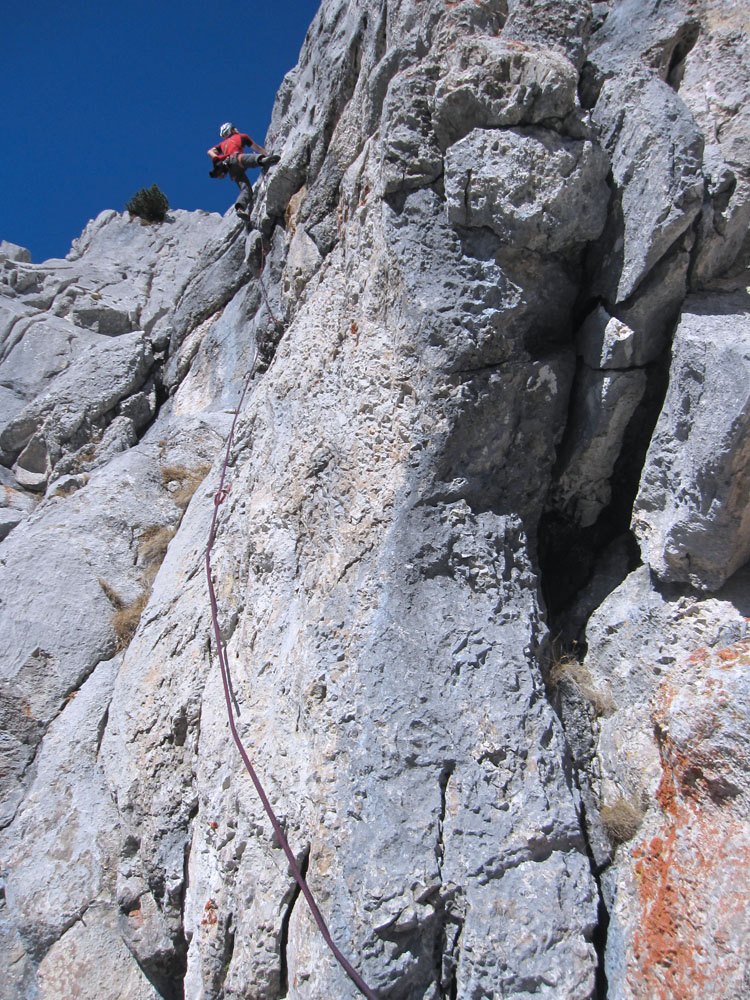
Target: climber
(228,158)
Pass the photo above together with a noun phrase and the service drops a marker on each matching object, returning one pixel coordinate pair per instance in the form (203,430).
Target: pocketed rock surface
(481,562)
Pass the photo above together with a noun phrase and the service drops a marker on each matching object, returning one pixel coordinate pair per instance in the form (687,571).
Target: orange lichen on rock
(693,877)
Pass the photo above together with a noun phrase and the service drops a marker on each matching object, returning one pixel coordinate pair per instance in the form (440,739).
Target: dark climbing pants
(237,165)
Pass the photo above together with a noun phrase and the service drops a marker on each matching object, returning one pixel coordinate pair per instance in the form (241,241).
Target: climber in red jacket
(228,158)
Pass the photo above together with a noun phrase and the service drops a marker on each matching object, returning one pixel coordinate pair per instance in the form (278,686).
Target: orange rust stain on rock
(210,916)
(693,877)
(663,950)
(728,655)
(696,874)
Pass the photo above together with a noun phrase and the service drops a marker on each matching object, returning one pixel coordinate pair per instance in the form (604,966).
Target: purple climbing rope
(299,878)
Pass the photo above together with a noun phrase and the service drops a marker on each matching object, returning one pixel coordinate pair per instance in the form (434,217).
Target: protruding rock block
(11,251)
(605,342)
(603,404)
(688,868)
(561,24)
(536,190)
(493,83)
(691,515)
(657,151)
(93,385)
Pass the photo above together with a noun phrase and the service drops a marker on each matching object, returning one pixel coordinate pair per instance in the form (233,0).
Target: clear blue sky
(99,99)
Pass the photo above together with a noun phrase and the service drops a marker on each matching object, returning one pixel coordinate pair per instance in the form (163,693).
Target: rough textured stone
(11,251)
(59,868)
(86,391)
(652,311)
(15,503)
(493,83)
(691,513)
(674,669)
(561,24)
(605,342)
(411,152)
(656,150)
(532,188)
(59,621)
(603,403)
(40,348)
(447,762)
(91,959)
(714,76)
(695,839)
(404,895)
(645,34)
(700,50)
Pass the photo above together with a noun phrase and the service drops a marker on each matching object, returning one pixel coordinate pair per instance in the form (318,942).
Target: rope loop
(221,495)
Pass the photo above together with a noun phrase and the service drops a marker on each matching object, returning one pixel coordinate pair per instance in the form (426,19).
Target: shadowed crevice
(284,936)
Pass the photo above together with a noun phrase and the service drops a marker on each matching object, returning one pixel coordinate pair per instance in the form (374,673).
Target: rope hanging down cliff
(299,878)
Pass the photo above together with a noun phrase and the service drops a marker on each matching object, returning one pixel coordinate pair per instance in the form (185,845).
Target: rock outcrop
(479,566)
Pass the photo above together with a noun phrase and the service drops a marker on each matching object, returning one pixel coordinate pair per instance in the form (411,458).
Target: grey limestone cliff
(481,565)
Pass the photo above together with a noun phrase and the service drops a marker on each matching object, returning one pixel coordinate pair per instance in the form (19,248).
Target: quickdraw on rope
(219,498)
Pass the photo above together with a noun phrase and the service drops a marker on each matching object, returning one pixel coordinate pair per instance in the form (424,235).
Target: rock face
(480,566)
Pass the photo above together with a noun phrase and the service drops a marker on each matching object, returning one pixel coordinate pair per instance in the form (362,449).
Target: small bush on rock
(621,819)
(149,203)
(181,482)
(125,620)
(564,668)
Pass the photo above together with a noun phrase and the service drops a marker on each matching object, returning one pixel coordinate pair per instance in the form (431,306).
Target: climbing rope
(264,254)
(219,498)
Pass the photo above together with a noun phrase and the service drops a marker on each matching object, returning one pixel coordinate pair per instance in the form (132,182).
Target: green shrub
(149,203)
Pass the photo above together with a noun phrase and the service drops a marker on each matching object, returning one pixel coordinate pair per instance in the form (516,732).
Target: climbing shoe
(268,159)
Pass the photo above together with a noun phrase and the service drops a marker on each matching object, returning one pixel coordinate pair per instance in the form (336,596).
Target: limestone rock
(464,796)
(302,262)
(603,403)
(714,75)
(59,868)
(643,34)
(667,785)
(653,309)
(697,839)
(494,83)
(50,647)
(15,503)
(690,515)
(75,399)
(561,25)
(449,554)
(11,251)
(700,51)
(411,153)
(656,150)
(39,348)
(532,188)
(89,959)
(605,342)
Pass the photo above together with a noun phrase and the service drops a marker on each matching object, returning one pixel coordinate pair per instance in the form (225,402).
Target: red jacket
(233,145)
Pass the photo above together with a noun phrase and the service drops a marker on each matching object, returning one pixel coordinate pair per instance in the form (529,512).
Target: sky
(100,99)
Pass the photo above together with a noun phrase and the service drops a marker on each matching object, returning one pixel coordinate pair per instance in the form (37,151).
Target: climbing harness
(219,498)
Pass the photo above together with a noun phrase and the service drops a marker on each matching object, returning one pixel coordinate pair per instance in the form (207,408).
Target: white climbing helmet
(226,129)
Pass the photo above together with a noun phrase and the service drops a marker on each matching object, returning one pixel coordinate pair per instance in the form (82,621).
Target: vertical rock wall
(480,566)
